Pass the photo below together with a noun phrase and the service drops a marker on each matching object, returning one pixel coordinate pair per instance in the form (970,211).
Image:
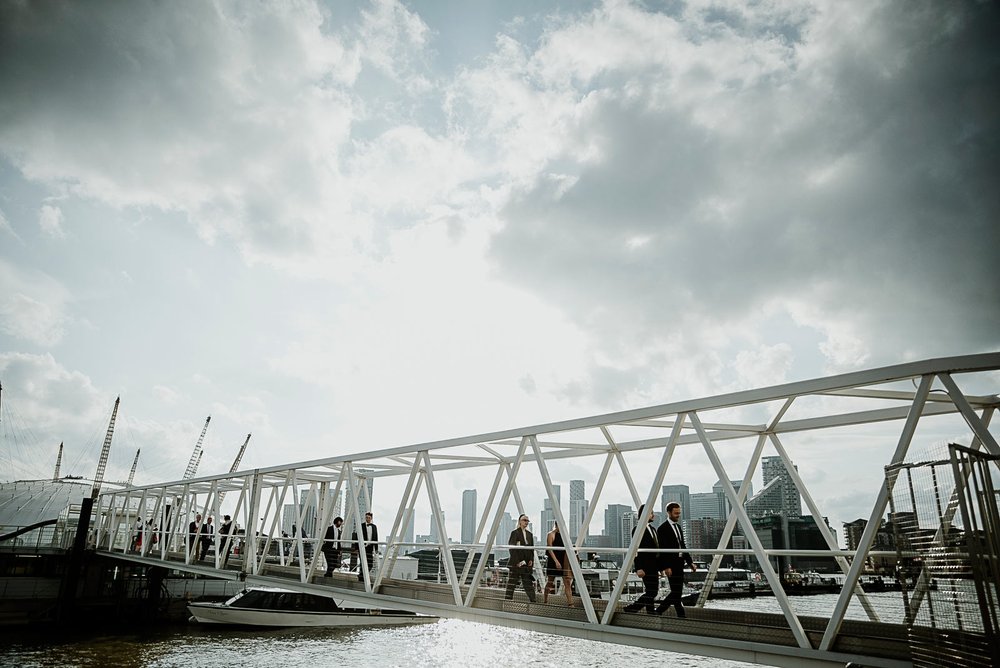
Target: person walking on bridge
(331,545)
(224,535)
(646,564)
(207,538)
(522,559)
(557,565)
(672,563)
(193,529)
(370,534)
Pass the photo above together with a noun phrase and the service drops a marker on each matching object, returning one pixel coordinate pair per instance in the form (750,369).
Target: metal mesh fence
(943,515)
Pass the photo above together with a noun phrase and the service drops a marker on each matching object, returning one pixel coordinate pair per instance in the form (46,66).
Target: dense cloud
(837,163)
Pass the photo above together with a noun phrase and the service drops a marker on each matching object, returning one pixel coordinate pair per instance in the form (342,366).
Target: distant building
(794,533)
(706,533)
(548,517)
(724,506)
(507,524)
(677,493)
(705,505)
(468,516)
(853,531)
(436,536)
(628,525)
(613,515)
(408,536)
(779,496)
(578,506)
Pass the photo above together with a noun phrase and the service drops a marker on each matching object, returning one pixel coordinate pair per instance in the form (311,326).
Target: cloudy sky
(345,226)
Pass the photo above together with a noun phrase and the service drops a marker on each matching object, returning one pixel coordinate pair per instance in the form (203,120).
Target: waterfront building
(705,505)
(724,506)
(547,517)
(613,515)
(578,506)
(794,533)
(629,520)
(435,535)
(779,496)
(468,516)
(677,493)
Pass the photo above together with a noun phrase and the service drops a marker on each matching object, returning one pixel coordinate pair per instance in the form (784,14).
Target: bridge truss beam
(873,400)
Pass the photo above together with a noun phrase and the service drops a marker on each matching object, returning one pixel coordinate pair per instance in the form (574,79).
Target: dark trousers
(520,574)
(205,543)
(370,558)
(333,558)
(648,598)
(676,590)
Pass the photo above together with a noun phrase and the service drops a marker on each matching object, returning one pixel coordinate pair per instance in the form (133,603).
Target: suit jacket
(331,540)
(648,562)
(369,540)
(668,541)
(519,554)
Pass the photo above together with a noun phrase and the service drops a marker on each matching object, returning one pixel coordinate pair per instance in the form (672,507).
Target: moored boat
(269,606)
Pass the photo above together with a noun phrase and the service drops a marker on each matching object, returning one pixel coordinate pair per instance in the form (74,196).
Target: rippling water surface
(446,643)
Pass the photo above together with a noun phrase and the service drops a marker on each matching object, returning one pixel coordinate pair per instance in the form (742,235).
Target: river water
(446,643)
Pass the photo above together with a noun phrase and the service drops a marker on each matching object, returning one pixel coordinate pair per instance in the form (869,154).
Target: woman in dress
(557,565)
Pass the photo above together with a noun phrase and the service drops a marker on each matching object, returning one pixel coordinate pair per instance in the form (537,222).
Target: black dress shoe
(680,613)
(659,611)
(630,608)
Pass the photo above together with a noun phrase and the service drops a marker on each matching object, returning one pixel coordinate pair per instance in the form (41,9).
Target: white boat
(270,606)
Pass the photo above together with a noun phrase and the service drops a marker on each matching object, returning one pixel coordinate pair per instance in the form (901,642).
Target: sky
(347,226)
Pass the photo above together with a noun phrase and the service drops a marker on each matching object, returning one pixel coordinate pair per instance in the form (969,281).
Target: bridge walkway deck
(885,643)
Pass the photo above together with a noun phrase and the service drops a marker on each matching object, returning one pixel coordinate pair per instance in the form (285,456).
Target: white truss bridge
(896,409)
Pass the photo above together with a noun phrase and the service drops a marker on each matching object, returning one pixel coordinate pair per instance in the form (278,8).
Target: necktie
(680,538)
(653,534)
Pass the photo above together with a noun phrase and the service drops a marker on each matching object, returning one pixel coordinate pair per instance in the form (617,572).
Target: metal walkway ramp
(895,409)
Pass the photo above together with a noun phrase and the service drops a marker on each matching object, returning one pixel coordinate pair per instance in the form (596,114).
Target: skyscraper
(705,504)
(548,517)
(507,524)
(779,496)
(468,515)
(408,537)
(724,506)
(613,522)
(629,520)
(680,494)
(435,535)
(577,507)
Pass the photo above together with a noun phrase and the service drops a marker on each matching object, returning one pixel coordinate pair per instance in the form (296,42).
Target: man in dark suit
(646,564)
(522,559)
(206,538)
(331,545)
(370,534)
(193,528)
(671,537)
(224,531)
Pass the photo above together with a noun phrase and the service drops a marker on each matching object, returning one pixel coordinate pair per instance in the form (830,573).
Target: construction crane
(239,455)
(55,476)
(232,469)
(135,462)
(102,463)
(192,466)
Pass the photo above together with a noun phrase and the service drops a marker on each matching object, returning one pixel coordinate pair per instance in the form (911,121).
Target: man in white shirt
(331,545)
(671,537)
(370,533)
